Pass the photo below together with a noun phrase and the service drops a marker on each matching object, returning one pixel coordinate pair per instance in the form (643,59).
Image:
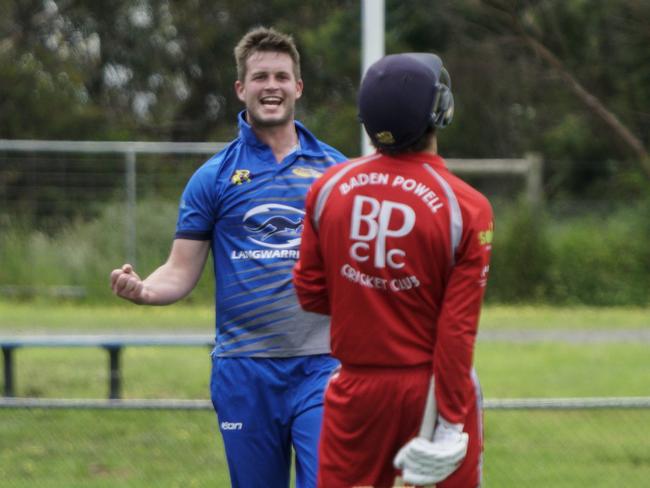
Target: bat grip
(428,423)
(430,413)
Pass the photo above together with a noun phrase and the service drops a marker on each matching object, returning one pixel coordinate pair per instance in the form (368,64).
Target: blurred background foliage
(163,70)
(567,79)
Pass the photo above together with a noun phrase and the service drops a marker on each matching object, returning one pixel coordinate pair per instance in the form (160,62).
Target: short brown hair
(265,39)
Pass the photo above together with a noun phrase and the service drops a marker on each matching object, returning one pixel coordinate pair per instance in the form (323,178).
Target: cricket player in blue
(246,204)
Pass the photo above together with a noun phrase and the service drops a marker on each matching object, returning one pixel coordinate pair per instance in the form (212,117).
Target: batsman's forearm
(311,291)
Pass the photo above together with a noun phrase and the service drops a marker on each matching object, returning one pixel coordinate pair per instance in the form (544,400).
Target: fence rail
(586,403)
(119,147)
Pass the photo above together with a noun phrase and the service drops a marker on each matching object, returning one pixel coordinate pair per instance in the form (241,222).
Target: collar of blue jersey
(309,145)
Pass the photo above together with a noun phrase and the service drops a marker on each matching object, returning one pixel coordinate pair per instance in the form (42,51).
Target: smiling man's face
(269,90)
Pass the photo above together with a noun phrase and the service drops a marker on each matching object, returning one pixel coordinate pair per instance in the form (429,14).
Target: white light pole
(372,46)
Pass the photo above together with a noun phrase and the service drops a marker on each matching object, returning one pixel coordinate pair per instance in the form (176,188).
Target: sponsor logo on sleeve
(485,237)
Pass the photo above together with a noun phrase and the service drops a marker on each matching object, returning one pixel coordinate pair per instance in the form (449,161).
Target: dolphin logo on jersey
(274,225)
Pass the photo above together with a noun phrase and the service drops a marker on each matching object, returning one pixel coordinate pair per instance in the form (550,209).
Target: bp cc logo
(274,225)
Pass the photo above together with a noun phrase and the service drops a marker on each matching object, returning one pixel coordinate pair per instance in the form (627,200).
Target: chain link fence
(63,204)
(597,442)
(567,447)
(72,208)
(52,182)
(49,184)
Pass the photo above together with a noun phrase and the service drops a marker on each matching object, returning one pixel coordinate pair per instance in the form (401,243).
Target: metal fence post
(373,13)
(534,182)
(131,204)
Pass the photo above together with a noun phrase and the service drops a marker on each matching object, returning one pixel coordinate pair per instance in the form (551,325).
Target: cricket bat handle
(428,423)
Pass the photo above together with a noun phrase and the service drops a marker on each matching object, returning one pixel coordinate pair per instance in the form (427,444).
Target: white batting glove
(425,462)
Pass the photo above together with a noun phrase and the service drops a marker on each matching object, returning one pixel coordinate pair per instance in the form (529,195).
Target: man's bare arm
(170,282)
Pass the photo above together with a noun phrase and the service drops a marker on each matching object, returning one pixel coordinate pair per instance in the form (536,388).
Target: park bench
(112,343)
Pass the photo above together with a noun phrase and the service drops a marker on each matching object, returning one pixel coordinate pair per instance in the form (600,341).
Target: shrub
(521,255)
(537,257)
(84,253)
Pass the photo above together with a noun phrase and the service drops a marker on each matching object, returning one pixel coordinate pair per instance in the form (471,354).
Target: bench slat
(106,340)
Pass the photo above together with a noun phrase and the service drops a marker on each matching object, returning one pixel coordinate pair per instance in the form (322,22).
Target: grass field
(85,448)
(44,317)
(69,448)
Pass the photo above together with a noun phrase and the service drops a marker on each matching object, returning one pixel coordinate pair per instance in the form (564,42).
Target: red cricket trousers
(370,413)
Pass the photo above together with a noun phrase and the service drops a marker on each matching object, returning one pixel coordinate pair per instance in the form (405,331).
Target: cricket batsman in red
(397,250)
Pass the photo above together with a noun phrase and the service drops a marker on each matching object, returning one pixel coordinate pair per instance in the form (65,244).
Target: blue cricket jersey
(251,208)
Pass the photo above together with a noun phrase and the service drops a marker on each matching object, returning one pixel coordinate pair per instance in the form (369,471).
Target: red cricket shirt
(397,249)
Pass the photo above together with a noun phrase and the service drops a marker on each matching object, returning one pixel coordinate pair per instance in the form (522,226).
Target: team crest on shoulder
(306,172)
(240,176)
